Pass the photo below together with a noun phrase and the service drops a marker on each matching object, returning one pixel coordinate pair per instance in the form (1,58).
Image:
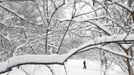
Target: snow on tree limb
(124,38)
(30,59)
(119,53)
(60,59)
(107,49)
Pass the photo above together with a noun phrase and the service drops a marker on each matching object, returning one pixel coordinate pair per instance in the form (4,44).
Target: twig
(56,8)
(65,68)
(50,68)
(30,45)
(24,71)
(91,7)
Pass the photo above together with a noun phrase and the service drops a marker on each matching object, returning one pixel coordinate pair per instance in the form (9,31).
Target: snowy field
(74,67)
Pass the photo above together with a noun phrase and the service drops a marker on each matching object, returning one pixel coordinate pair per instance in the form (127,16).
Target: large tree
(59,29)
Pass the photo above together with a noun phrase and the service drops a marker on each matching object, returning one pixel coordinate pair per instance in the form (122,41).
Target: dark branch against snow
(125,7)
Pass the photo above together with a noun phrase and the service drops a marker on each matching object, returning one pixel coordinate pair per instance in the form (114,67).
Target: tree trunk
(128,66)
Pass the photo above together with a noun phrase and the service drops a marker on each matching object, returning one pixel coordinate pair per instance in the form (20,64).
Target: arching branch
(60,59)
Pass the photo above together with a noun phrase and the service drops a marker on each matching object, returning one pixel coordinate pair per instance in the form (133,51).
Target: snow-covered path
(74,67)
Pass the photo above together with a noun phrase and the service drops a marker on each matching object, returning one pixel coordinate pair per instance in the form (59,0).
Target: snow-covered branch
(107,49)
(124,38)
(60,59)
(119,53)
(31,59)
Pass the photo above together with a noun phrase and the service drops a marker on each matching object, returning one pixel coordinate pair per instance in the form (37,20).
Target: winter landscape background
(66,37)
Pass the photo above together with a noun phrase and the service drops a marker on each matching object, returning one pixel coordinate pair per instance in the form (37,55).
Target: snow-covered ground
(74,67)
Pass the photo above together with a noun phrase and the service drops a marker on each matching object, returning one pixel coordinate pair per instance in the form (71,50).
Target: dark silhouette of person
(84,64)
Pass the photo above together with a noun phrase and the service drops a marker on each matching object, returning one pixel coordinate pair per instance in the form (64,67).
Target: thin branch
(56,8)
(30,45)
(116,24)
(16,49)
(122,68)
(73,14)
(112,60)
(34,70)
(24,71)
(45,23)
(100,26)
(127,8)
(91,7)
(54,4)
(47,20)
(65,68)
(46,41)
(20,16)
(51,69)
(63,36)
(107,49)
(105,7)
(91,11)
(42,17)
